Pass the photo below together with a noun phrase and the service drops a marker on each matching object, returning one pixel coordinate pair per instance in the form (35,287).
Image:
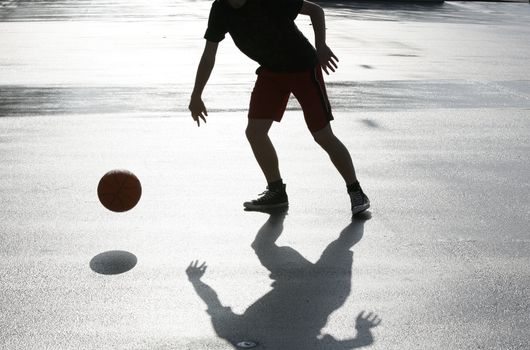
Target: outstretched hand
(326,58)
(196,271)
(365,322)
(198,110)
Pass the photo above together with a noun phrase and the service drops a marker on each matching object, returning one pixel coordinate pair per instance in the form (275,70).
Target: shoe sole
(360,208)
(251,206)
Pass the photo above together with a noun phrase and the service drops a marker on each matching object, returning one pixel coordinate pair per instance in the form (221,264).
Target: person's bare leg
(340,157)
(338,153)
(264,152)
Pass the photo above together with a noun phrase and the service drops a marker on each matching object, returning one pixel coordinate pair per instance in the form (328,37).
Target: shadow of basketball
(113,262)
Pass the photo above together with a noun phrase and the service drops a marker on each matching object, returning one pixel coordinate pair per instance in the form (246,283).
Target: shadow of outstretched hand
(363,323)
(196,271)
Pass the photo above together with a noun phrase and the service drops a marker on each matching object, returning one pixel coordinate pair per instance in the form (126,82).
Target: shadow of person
(304,294)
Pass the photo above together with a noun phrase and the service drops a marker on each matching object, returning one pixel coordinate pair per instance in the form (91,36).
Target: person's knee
(256,132)
(321,140)
(251,133)
(324,137)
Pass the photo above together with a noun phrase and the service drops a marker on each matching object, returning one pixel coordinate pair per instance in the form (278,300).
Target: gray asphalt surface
(433,103)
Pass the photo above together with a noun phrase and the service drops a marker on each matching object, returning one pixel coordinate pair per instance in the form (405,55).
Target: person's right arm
(196,107)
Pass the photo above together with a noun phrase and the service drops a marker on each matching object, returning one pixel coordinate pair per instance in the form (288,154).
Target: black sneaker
(269,199)
(359,202)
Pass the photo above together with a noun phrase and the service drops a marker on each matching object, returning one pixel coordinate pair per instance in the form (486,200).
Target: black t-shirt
(265,31)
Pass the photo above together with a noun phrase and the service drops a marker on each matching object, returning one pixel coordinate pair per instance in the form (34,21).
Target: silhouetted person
(304,294)
(265,31)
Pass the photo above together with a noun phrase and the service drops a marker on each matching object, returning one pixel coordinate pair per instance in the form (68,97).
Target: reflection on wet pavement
(99,56)
(171,101)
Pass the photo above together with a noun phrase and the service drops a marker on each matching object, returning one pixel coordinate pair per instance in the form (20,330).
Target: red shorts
(272,90)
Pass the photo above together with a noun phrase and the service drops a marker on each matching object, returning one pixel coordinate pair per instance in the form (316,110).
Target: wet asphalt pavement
(432,101)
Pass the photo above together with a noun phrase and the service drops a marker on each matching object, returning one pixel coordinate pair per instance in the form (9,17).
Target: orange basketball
(119,190)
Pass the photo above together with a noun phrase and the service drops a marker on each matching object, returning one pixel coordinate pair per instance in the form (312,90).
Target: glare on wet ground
(402,56)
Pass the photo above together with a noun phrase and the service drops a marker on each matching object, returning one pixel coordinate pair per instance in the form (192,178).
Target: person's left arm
(326,57)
